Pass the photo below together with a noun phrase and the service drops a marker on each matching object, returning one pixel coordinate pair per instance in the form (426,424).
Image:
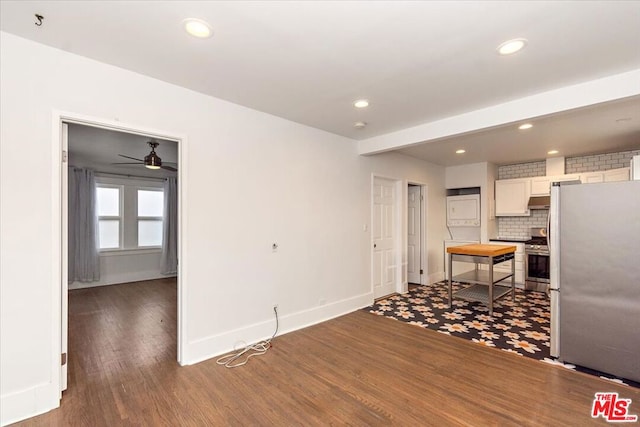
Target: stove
(538,241)
(537,260)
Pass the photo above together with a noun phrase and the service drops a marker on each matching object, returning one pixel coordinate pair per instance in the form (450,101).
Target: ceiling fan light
(152,161)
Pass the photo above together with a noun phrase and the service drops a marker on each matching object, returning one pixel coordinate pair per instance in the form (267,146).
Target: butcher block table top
(481,250)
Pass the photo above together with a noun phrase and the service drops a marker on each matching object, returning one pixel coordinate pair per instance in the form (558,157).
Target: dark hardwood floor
(358,369)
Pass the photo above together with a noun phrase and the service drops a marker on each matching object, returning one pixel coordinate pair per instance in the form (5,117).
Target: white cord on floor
(257,349)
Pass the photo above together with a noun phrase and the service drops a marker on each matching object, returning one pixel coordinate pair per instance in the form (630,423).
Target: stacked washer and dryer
(463,223)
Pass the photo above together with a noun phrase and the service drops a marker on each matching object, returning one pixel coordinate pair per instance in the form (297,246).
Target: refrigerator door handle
(554,337)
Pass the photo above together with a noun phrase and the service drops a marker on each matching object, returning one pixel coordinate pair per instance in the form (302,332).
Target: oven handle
(534,252)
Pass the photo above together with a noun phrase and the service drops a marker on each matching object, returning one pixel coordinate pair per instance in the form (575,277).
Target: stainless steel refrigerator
(594,245)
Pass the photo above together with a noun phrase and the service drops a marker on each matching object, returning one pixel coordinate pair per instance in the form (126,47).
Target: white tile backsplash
(519,227)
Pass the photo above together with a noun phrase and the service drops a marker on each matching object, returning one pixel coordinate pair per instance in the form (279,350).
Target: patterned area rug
(521,327)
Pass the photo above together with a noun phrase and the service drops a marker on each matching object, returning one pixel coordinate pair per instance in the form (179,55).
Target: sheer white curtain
(169,260)
(84,262)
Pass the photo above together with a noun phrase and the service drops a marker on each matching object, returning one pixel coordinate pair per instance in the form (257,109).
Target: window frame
(119,218)
(139,218)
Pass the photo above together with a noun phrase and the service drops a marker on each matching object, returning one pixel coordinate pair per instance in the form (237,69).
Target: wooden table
(482,281)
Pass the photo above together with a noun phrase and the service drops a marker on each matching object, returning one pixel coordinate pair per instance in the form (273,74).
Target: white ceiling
(417,62)
(98,149)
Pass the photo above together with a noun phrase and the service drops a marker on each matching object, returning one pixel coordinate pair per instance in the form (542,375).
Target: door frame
(424,277)
(60,232)
(400,225)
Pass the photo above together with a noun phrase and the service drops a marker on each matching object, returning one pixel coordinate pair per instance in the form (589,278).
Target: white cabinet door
(512,197)
(621,174)
(541,186)
(612,175)
(592,177)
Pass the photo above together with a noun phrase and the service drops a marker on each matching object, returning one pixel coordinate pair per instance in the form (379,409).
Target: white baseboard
(436,277)
(119,279)
(212,346)
(28,403)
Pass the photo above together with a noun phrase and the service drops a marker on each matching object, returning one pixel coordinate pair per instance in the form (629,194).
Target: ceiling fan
(151,161)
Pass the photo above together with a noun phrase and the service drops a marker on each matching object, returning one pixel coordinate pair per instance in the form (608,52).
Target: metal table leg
(450,280)
(490,286)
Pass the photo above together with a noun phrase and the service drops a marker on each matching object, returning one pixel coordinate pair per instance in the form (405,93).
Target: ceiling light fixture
(552,152)
(525,126)
(359,125)
(197,28)
(511,46)
(361,103)
(461,151)
(152,161)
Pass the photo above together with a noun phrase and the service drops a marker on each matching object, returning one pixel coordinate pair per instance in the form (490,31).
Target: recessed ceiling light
(525,126)
(197,28)
(361,103)
(552,152)
(511,46)
(460,151)
(623,120)
(359,125)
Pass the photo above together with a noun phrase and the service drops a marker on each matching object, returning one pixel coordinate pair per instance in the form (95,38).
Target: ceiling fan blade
(126,163)
(169,168)
(132,158)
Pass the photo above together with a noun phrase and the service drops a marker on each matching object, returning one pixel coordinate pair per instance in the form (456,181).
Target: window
(150,215)
(130,213)
(108,201)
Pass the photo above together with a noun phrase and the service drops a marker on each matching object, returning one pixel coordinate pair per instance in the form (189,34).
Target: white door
(384,237)
(64,286)
(414,252)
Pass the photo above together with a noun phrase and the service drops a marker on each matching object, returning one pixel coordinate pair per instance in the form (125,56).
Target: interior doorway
(416,211)
(63,121)
(386,236)
(414,233)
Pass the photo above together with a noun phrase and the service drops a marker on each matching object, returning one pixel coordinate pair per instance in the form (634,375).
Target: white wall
(252,179)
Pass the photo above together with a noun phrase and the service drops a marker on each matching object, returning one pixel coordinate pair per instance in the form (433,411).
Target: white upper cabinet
(512,197)
(592,177)
(610,175)
(621,174)
(541,185)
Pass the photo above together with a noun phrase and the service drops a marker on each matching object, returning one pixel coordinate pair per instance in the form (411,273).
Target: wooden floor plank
(358,369)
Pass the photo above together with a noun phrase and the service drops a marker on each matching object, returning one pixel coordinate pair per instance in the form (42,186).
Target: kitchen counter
(510,239)
(482,281)
(482,250)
